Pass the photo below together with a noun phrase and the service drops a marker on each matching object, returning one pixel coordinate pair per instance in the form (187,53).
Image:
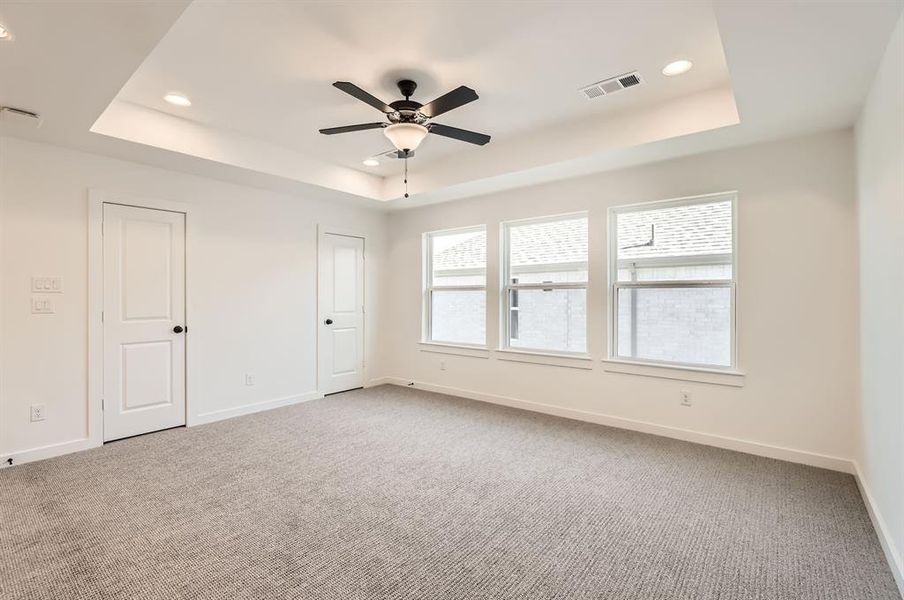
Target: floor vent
(612,85)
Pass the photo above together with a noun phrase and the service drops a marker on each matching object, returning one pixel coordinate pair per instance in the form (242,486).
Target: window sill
(698,374)
(573,361)
(455,349)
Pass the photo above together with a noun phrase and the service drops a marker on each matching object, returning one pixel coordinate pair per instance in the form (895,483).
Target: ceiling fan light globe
(405,136)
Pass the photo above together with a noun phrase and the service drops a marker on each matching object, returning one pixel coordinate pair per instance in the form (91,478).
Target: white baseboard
(48,451)
(833,463)
(247,409)
(892,554)
(61,448)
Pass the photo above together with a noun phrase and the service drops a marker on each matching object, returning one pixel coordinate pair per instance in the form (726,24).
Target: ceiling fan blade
(457,97)
(459,134)
(353,90)
(347,128)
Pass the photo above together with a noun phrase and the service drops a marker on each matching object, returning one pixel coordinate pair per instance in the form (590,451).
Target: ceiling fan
(408,122)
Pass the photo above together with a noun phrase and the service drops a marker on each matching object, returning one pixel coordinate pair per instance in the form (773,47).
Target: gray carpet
(397,493)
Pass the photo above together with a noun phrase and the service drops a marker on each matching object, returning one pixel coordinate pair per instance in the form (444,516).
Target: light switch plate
(47,285)
(42,306)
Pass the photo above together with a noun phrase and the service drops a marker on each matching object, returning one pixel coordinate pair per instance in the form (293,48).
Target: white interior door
(341,307)
(144,320)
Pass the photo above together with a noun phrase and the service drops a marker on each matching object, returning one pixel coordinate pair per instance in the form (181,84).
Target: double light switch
(43,305)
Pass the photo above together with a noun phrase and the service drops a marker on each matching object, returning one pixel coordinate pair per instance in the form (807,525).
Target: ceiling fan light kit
(409,121)
(406,136)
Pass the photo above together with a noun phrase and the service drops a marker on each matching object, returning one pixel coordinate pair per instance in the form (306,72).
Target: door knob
(329,321)
(178,329)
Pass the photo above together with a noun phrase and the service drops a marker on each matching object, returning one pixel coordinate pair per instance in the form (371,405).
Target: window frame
(429,288)
(613,285)
(506,287)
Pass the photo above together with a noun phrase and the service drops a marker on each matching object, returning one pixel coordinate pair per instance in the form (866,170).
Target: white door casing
(341,312)
(144,301)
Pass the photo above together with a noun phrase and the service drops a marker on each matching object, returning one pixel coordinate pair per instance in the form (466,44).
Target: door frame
(322,231)
(96,200)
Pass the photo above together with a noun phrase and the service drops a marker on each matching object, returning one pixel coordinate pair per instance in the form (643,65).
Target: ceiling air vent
(612,85)
(629,80)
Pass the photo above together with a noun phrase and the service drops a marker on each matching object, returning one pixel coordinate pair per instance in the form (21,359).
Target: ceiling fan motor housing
(407,110)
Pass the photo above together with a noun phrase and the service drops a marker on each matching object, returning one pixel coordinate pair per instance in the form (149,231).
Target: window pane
(685,325)
(459,258)
(459,316)
(550,251)
(549,320)
(650,240)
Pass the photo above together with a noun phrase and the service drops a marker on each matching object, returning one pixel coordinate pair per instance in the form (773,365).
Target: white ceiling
(265,70)
(259,76)
(68,60)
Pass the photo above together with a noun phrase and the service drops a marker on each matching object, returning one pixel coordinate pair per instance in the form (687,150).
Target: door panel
(344,279)
(146,269)
(147,375)
(144,299)
(341,306)
(345,351)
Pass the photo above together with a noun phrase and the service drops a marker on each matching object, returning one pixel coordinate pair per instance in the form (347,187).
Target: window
(455,296)
(545,284)
(673,279)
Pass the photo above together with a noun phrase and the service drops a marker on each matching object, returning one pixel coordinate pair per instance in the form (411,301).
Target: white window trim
(455,349)
(680,370)
(573,360)
(672,371)
(427,341)
(521,354)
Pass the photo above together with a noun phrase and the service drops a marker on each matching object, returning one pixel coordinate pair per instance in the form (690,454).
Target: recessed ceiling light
(177,99)
(371,162)
(677,68)
(4,33)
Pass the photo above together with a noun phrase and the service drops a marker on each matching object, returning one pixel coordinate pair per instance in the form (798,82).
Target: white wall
(251,289)
(252,296)
(797,254)
(797,301)
(880,176)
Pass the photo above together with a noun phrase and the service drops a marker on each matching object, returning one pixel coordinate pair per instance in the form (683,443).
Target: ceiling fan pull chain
(406,173)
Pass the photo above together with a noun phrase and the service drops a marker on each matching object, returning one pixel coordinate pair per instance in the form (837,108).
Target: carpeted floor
(398,493)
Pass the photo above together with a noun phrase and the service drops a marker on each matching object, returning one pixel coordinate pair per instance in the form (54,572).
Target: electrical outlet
(685,398)
(249,379)
(37,412)
(442,365)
